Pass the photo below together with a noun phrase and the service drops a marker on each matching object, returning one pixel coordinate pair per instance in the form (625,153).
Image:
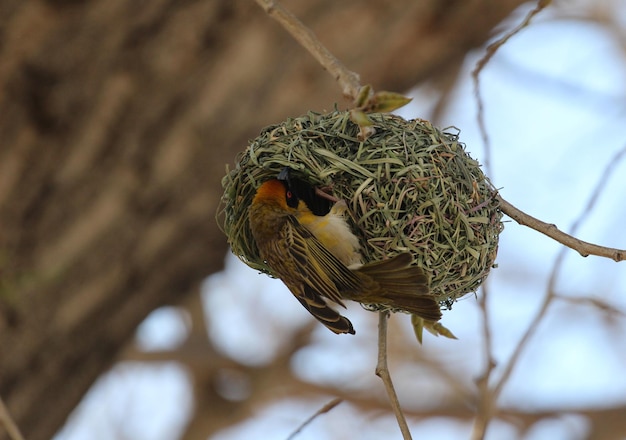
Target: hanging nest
(410,187)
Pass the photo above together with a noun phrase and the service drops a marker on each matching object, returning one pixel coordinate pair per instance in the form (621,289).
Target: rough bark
(116,120)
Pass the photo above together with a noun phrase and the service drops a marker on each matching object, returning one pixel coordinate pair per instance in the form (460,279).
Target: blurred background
(122,313)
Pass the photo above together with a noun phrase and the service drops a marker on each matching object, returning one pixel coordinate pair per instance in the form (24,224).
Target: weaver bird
(309,246)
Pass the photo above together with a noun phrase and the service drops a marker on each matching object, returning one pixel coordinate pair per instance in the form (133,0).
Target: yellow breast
(333,231)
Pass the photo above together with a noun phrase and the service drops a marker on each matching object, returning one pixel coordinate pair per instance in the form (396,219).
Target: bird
(326,221)
(307,243)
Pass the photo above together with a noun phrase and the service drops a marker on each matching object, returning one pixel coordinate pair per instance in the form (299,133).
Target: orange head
(277,193)
(290,192)
(272,191)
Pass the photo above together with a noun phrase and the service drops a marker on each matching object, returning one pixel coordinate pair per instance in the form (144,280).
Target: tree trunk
(117,118)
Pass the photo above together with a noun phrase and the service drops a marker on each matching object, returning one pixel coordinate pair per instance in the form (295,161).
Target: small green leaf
(418,327)
(436,328)
(385,102)
(360,118)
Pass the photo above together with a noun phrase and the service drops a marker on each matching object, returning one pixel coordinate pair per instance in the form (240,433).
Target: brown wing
(312,273)
(322,272)
(400,285)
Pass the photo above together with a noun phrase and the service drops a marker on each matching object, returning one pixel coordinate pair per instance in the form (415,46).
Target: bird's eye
(292,199)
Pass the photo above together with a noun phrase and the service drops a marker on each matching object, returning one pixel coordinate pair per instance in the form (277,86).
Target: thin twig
(599,304)
(382,371)
(348,80)
(551,230)
(486,401)
(323,410)
(480,65)
(9,425)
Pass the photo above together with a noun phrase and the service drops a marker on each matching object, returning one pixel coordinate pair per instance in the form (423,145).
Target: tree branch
(326,408)
(348,80)
(486,401)
(382,371)
(551,230)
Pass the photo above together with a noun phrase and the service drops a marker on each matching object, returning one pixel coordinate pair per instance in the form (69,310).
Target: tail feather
(397,284)
(327,316)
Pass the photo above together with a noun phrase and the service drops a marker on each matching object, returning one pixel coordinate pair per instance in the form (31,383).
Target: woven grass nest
(410,187)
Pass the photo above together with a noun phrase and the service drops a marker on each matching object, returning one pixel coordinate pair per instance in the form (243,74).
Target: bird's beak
(284,174)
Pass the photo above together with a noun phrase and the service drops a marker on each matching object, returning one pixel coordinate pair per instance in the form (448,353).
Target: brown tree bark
(116,120)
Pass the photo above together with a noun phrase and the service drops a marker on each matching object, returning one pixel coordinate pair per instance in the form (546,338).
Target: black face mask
(298,189)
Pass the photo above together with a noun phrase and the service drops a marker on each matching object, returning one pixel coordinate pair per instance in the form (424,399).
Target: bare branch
(608,309)
(323,410)
(486,400)
(382,371)
(348,80)
(551,230)
(582,247)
